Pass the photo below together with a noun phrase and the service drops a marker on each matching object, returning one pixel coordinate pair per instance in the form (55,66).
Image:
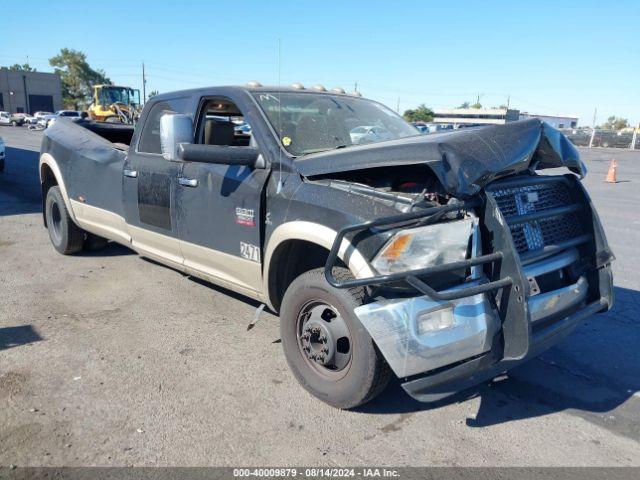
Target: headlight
(425,247)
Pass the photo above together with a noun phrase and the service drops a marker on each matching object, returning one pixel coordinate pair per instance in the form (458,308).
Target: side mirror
(175,129)
(221,154)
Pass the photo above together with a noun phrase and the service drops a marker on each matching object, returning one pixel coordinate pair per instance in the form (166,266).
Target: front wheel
(327,348)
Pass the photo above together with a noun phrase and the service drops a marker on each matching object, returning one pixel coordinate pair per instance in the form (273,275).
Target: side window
(222,123)
(150,138)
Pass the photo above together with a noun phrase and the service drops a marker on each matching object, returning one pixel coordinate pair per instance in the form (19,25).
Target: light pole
(10,95)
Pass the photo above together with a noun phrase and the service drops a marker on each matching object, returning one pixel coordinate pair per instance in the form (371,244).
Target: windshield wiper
(319,150)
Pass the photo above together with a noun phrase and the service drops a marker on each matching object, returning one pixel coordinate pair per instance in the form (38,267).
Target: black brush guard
(506,273)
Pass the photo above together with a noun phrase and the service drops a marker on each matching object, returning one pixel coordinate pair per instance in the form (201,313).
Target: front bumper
(435,386)
(401,331)
(469,351)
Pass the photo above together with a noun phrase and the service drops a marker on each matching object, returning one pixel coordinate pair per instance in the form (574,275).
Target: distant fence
(603,138)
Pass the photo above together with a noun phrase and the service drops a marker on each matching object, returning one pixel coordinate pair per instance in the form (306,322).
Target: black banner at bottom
(309,473)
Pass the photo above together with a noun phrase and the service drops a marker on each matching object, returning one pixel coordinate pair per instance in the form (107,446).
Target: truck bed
(90,162)
(113,132)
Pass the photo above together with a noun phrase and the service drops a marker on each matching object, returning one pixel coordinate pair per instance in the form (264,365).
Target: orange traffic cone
(611,174)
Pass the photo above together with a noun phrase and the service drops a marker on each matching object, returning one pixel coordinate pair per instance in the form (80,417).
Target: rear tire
(311,308)
(94,242)
(66,236)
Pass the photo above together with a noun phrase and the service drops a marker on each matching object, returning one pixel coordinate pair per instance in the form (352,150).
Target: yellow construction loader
(115,104)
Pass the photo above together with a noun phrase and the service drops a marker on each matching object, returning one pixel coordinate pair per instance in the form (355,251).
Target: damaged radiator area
(404,187)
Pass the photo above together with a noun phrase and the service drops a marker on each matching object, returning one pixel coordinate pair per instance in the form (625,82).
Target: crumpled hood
(463,160)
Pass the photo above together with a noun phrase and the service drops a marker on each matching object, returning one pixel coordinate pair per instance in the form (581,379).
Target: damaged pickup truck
(443,259)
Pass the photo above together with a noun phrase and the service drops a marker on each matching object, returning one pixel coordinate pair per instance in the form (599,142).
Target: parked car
(422,128)
(2,154)
(72,115)
(7,118)
(370,134)
(444,260)
(21,116)
(47,120)
(40,115)
(439,127)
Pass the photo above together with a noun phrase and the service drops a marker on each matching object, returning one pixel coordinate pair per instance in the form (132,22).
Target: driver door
(220,206)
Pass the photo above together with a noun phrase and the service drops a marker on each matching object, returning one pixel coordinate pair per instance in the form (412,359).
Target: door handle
(131,173)
(188,182)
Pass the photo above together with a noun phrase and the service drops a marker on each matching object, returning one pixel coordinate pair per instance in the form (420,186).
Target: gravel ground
(109,359)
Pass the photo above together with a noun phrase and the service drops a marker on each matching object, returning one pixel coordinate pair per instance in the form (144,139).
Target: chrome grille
(536,234)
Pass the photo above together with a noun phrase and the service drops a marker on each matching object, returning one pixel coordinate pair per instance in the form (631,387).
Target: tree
(476,105)
(77,76)
(420,114)
(25,67)
(615,123)
(465,105)
(153,93)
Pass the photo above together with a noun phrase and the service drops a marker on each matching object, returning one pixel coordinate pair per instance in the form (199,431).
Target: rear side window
(150,137)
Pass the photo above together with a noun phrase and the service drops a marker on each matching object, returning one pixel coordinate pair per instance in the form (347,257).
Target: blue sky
(549,57)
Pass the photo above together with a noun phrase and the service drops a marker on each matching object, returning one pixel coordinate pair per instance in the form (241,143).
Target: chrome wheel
(324,339)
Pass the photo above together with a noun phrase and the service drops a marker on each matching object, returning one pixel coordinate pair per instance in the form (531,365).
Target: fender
(48,160)
(320,235)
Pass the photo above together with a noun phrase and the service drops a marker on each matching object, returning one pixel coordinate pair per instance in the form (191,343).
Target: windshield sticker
(286,141)
(245,216)
(268,97)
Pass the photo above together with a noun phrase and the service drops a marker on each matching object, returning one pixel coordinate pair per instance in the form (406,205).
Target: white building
(474,116)
(557,121)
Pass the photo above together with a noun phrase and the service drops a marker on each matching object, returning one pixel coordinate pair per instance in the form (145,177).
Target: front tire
(327,348)
(65,235)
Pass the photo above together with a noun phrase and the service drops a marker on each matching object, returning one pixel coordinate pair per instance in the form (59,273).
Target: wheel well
(290,260)
(48,180)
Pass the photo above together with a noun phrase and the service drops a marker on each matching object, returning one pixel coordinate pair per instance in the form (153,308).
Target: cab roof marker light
(355,94)
(297,86)
(254,84)
(319,88)
(338,90)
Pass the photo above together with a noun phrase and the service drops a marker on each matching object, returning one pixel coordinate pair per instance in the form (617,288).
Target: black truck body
(533,261)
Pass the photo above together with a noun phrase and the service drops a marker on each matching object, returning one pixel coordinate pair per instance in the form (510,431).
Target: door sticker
(245,216)
(250,252)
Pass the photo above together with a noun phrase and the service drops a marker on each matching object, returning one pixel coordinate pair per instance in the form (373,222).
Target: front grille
(529,236)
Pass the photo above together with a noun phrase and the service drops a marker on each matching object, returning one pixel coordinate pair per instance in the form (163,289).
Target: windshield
(109,95)
(308,123)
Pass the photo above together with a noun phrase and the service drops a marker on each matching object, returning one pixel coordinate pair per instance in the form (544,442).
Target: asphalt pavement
(110,359)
